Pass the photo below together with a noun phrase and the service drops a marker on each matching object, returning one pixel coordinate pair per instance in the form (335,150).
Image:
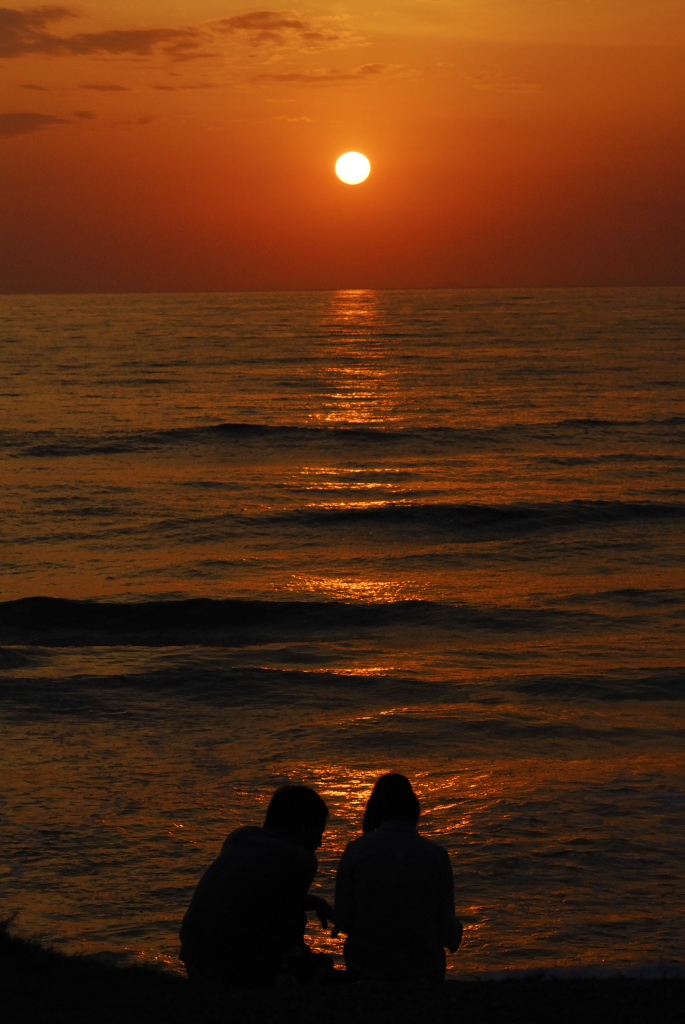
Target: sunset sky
(169,145)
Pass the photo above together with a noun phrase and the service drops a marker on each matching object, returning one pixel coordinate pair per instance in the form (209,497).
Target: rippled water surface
(319,536)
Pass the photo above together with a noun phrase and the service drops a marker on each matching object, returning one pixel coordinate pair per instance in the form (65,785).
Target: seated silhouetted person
(248,910)
(394,894)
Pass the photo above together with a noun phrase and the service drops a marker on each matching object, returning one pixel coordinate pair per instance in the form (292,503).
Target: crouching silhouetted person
(394,894)
(247,917)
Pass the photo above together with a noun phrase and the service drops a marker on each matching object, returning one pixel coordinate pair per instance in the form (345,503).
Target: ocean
(318,536)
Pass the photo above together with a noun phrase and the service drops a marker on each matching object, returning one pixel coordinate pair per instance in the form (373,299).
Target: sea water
(253,538)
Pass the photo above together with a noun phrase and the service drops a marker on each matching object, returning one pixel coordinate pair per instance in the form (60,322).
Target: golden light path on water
(365,394)
(341,588)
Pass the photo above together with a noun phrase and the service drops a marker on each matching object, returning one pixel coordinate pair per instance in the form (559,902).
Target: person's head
(298,813)
(392,799)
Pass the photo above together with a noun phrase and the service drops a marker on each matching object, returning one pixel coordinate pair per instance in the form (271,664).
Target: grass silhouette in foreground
(41,985)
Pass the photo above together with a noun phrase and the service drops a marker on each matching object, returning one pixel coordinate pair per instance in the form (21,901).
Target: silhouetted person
(394,893)
(248,910)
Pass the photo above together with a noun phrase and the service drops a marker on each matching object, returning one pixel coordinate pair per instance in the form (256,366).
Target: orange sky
(190,146)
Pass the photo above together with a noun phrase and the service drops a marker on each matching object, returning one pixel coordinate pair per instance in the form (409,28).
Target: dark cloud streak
(24,32)
(23,123)
(275,27)
(28,33)
(104,88)
(324,77)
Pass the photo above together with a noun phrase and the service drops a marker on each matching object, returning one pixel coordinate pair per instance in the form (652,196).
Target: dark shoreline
(40,985)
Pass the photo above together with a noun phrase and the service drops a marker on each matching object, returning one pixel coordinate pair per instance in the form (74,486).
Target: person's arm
(344,895)
(450,928)
(324,911)
(286,895)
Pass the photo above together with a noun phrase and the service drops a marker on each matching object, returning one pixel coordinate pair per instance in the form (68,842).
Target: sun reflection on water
(357,670)
(346,588)
(357,386)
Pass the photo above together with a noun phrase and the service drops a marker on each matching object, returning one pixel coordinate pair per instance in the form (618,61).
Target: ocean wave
(46,444)
(14,658)
(485,522)
(101,696)
(63,444)
(381,521)
(666,684)
(632,598)
(61,621)
(461,521)
(377,713)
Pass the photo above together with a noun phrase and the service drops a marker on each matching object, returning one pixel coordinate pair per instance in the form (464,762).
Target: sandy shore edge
(38,984)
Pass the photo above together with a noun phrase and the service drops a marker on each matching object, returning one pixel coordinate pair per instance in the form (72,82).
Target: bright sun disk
(352,168)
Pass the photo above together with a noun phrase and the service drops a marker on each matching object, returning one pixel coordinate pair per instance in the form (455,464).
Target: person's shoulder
(378,839)
(432,847)
(388,834)
(357,843)
(245,835)
(253,840)
(357,846)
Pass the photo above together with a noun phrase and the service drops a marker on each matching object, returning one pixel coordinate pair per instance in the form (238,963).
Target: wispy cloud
(282,28)
(85,115)
(178,88)
(25,32)
(38,88)
(104,87)
(495,79)
(24,123)
(29,32)
(325,76)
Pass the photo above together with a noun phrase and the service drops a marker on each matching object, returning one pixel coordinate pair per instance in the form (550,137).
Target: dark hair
(295,808)
(392,799)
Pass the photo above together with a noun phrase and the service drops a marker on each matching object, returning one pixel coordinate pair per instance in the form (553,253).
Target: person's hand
(324,911)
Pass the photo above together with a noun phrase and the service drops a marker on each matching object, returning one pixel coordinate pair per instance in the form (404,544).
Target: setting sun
(352,168)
